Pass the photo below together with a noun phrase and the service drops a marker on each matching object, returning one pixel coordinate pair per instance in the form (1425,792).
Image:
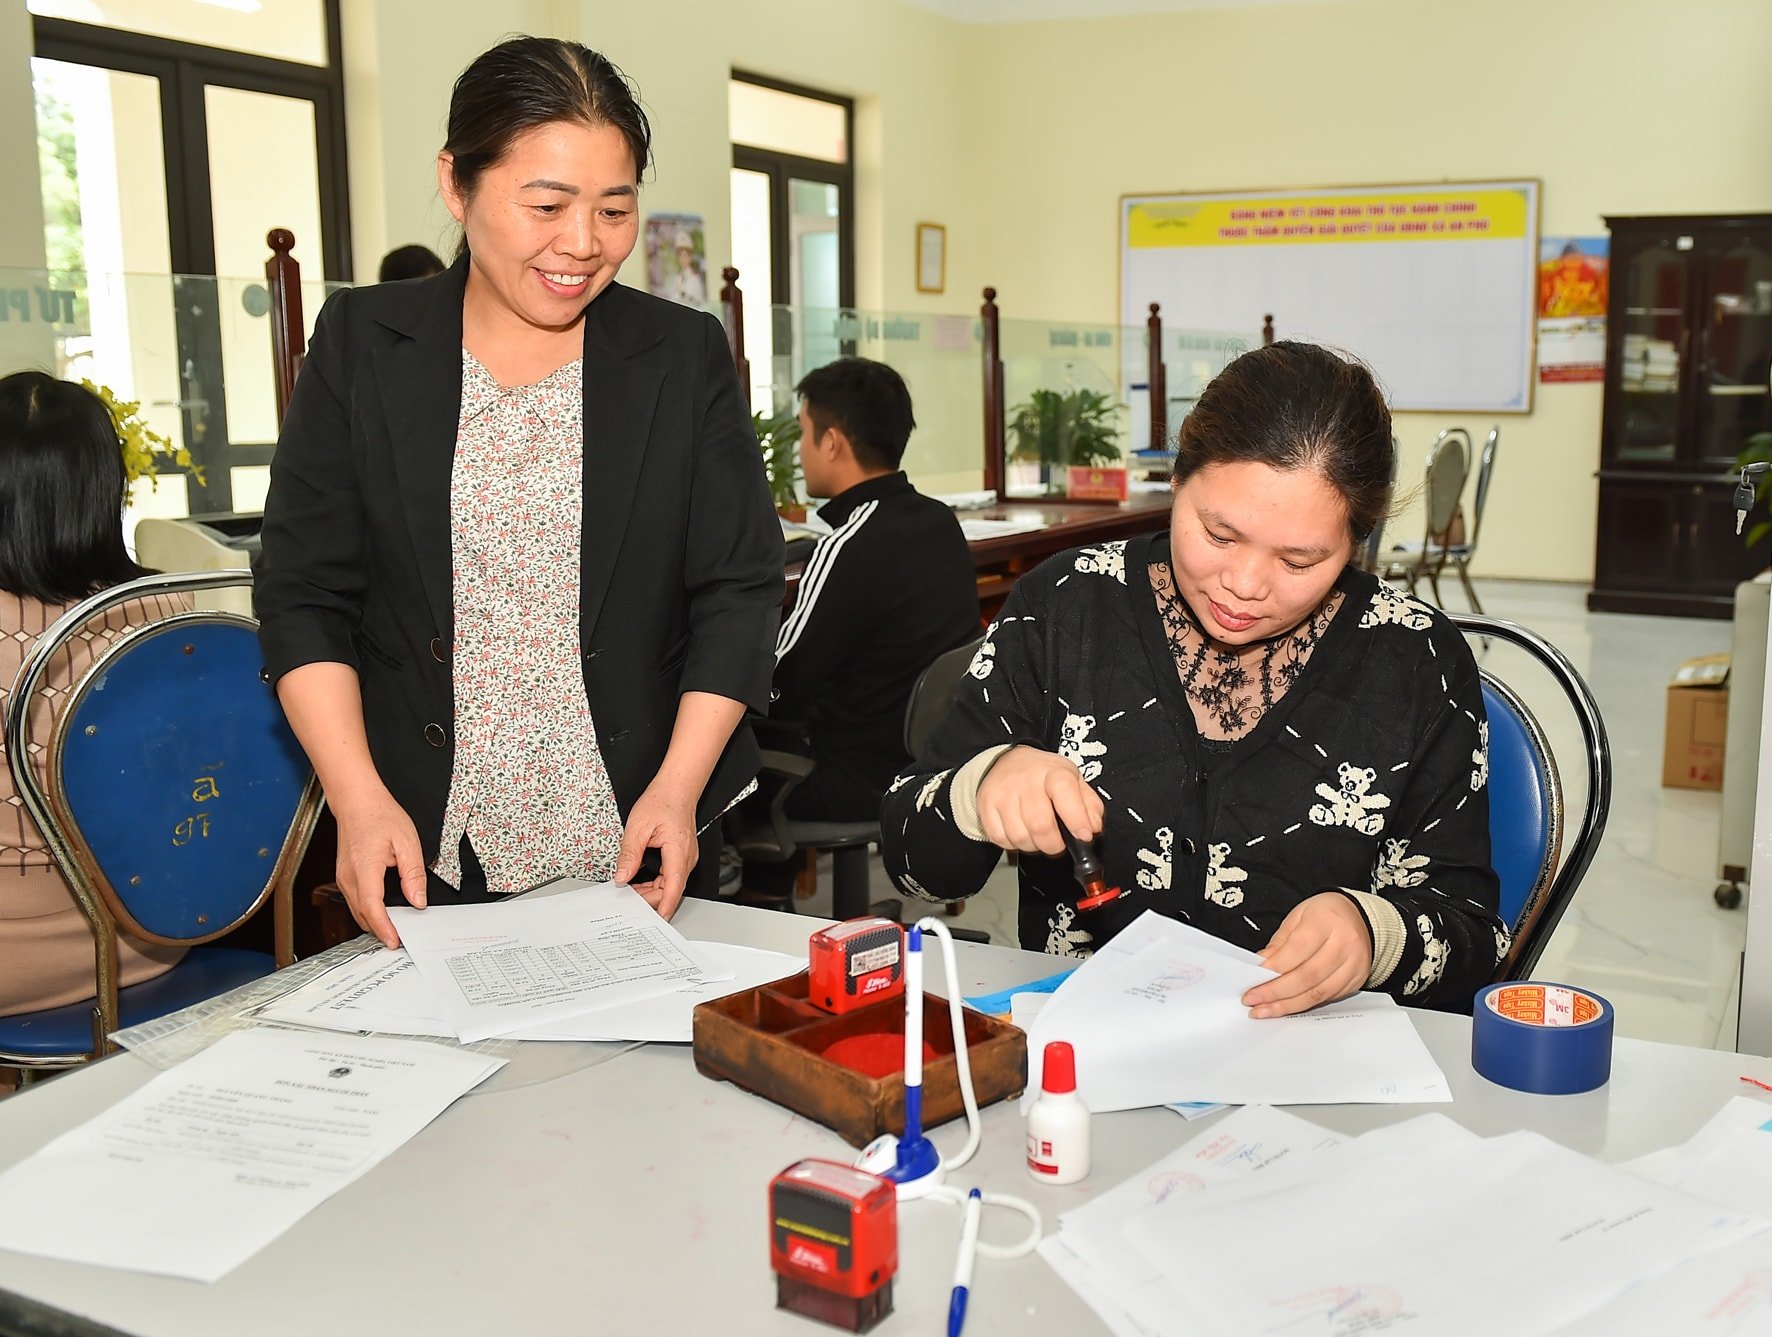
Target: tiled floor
(1643,930)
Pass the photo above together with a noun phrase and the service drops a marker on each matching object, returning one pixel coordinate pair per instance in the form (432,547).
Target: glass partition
(1074,394)
(938,356)
(1078,401)
(193,350)
(1190,359)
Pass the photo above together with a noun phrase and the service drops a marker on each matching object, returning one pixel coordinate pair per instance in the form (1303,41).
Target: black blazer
(680,580)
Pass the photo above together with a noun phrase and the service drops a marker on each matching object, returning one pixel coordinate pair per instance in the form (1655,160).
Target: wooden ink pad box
(846,1072)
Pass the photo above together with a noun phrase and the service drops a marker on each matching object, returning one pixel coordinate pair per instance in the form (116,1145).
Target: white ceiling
(1028,11)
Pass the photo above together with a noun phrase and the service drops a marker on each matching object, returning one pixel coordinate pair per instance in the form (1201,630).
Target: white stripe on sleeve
(817,572)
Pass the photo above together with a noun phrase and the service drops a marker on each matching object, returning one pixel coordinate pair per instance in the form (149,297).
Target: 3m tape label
(1541,1005)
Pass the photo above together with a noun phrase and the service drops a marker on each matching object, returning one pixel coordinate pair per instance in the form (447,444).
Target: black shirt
(884,594)
(1369,774)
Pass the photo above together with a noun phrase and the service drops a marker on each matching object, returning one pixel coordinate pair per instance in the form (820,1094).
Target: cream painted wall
(1619,106)
(1021,138)
(908,69)
(401,58)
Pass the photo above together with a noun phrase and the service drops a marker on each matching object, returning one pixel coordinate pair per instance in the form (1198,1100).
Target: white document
(669,1017)
(1513,1235)
(978,530)
(1166,1024)
(1728,1291)
(500,967)
(967,501)
(1729,1160)
(213,1159)
(1246,1141)
(377,991)
(1132,1294)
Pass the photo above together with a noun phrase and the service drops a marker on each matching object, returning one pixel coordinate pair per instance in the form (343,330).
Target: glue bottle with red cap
(1058,1121)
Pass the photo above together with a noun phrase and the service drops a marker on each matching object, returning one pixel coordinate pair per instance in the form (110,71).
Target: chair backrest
(1448,465)
(1485,467)
(186,545)
(176,800)
(932,695)
(1539,861)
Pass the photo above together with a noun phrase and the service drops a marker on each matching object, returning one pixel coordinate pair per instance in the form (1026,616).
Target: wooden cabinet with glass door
(1688,384)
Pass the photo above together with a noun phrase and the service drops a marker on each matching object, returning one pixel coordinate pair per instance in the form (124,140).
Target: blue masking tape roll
(1548,1039)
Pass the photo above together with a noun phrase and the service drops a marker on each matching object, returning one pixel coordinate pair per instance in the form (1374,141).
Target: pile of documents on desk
(217,1156)
(584,962)
(1156,1018)
(1266,1223)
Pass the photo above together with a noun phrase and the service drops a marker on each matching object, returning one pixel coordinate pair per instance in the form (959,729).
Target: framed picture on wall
(932,257)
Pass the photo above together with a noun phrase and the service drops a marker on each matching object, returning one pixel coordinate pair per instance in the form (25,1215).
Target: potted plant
(779,437)
(1058,428)
(144,449)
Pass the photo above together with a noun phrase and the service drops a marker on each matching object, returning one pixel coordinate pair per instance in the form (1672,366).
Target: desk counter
(592,1189)
(1001,560)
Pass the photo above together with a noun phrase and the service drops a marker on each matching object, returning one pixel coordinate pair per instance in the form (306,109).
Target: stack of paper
(216,1157)
(1264,1225)
(591,963)
(1729,1290)
(1156,1018)
(967,501)
(977,531)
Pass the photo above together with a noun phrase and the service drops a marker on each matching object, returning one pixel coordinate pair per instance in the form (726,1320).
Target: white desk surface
(627,1195)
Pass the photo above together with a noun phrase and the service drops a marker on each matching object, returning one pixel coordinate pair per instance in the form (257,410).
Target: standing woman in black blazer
(521,576)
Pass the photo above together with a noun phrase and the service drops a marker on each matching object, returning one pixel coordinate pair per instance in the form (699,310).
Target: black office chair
(1538,874)
(761,828)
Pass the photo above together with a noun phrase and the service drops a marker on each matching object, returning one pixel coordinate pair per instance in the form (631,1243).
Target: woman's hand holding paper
(1322,953)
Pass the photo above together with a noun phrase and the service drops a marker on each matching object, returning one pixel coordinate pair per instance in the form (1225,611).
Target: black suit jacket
(680,579)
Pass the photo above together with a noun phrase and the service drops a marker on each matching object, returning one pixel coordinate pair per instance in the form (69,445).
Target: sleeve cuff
(1389,934)
(963,792)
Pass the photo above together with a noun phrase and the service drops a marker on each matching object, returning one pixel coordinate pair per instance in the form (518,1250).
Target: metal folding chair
(175,803)
(1527,820)
(1448,465)
(1460,554)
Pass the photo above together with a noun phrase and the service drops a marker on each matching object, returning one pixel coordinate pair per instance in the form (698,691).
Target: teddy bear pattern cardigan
(1368,775)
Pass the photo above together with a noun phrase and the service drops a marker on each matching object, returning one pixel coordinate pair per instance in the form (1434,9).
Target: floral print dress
(1351,758)
(529,788)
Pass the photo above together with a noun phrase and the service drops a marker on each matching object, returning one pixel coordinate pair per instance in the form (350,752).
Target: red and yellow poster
(1573,273)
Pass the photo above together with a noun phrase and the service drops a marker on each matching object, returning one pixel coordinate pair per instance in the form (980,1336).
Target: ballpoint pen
(963,1264)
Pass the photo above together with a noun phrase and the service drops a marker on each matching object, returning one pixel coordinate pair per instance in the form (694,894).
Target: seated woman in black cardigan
(1264,742)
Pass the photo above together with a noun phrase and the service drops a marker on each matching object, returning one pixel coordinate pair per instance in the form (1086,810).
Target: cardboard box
(1697,724)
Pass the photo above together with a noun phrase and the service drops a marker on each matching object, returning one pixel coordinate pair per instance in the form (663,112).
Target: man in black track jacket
(883,595)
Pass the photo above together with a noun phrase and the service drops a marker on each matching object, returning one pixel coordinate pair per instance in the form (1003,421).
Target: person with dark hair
(521,575)
(1262,740)
(409,262)
(61,540)
(882,596)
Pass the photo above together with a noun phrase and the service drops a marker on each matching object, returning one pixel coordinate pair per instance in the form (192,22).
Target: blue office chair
(176,803)
(1526,813)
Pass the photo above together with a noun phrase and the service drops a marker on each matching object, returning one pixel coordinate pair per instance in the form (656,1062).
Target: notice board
(1431,285)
